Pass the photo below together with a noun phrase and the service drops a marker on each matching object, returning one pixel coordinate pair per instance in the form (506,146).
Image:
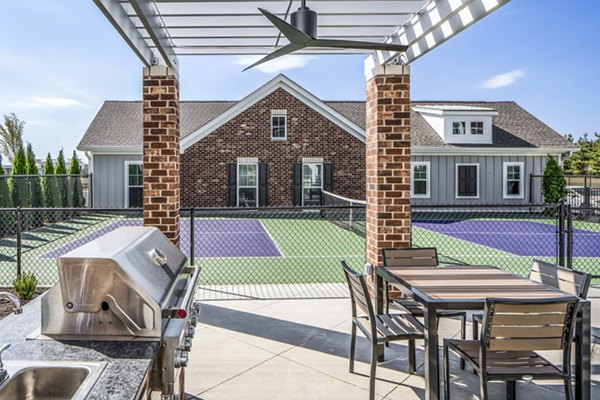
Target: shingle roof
(119,124)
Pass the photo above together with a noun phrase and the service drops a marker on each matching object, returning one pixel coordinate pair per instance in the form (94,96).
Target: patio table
(466,288)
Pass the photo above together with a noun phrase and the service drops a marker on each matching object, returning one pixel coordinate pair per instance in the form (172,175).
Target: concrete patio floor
(298,349)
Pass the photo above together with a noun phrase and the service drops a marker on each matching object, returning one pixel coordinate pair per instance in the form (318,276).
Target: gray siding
(109,179)
(443,179)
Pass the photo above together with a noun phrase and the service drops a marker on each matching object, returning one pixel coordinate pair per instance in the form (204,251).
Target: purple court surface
(214,238)
(522,238)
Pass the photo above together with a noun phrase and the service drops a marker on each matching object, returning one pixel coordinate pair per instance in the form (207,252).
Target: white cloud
(280,64)
(37,102)
(501,80)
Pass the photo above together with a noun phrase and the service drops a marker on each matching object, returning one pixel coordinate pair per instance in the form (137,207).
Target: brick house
(281,146)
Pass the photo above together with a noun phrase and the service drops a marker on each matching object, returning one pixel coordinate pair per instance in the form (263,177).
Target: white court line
(271,237)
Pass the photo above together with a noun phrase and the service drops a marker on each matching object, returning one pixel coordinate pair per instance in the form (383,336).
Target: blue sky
(60,59)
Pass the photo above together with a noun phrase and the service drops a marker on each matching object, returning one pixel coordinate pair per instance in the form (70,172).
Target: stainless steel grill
(130,284)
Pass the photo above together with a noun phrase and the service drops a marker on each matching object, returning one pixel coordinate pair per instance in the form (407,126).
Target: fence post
(192,236)
(91,189)
(561,234)
(19,246)
(569,214)
(530,188)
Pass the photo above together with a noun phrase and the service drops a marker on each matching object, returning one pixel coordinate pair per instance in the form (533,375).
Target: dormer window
(458,128)
(477,128)
(278,124)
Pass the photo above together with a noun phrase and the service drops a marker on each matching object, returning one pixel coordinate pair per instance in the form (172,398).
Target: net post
(561,234)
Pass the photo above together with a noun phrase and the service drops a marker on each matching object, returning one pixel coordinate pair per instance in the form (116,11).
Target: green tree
(18,187)
(35,186)
(48,182)
(77,199)
(63,190)
(587,159)
(4,191)
(11,136)
(553,183)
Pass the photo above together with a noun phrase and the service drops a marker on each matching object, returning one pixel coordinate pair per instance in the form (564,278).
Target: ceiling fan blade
(293,34)
(351,44)
(290,48)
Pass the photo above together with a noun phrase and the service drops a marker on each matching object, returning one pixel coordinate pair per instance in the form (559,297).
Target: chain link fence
(296,252)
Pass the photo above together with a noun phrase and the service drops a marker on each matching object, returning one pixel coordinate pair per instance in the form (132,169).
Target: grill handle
(182,310)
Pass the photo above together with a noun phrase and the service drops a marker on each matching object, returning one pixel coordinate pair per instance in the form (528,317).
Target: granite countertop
(127,362)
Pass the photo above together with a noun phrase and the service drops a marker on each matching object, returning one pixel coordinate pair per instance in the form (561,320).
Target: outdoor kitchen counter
(128,363)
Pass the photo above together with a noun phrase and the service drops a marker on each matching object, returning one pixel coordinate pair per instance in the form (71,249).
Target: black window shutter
(297,184)
(467,180)
(328,177)
(232,185)
(263,184)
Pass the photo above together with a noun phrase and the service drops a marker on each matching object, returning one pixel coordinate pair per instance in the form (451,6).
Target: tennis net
(351,216)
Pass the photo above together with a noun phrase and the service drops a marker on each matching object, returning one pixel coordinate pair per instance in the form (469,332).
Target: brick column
(388,160)
(161,150)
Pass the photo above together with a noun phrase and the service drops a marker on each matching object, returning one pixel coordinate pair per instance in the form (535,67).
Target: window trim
(464,125)
(428,179)
(280,113)
(471,123)
(456,181)
(127,164)
(312,187)
(505,166)
(237,182)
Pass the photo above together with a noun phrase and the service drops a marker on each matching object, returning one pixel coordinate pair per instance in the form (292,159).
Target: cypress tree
(35,187)
(18,190)
(75,184)
(4,191)
(61,169)
(553,183)
(48,182)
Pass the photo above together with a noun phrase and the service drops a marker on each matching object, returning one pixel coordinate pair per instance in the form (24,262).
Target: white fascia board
(435,23)
(96,150)
(279,82)
(441,112)
(117,16)
(486,151)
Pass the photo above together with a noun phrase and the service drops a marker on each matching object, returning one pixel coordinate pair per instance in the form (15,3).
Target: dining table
(466,288)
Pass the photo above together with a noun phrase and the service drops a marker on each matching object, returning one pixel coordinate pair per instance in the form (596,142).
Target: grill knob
(187,344)
(181,358)
(190,331)
(196,307)
(194,320)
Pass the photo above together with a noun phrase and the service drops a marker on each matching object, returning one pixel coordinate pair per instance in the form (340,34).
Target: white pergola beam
(152,22)
(433,25)
(119,19)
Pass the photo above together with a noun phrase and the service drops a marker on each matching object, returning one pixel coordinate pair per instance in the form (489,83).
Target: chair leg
(475,329)
(483,390)
(511,390)
(568,389)
(412,358)
(352,347)
(463,335)
(446,374)
(373,370)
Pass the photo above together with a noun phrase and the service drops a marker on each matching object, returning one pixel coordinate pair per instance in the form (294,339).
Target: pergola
(161,31)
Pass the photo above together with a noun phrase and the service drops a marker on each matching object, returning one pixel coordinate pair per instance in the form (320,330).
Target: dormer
(459,124)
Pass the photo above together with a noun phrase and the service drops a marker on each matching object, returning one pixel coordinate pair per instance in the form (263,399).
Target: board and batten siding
(109,179)
(443,179)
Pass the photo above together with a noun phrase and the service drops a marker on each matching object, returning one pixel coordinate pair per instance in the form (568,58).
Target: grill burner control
(181,358)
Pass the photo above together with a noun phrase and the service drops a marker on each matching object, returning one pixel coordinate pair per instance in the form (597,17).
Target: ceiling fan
(302,33)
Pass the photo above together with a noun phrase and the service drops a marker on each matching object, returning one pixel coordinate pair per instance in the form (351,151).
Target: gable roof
(117,126)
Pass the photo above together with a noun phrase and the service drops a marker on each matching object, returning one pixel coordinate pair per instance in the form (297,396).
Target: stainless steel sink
(37,380)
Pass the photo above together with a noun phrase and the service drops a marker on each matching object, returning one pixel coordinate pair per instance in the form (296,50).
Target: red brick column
(161,150)
(388,160)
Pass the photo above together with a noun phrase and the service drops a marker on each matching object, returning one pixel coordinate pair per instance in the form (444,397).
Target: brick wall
(388,161)
(204,164)
(161,150)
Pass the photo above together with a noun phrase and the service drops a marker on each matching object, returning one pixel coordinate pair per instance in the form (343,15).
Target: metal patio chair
(513,331)
(378,329)
(418,257)
(575,283)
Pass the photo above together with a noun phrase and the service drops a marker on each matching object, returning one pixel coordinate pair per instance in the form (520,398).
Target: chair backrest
(358,291)
(411,257)
(572,282)
(529,325)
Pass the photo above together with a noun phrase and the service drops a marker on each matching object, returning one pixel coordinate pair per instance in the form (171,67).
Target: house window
(247,185)
(513,180)
(477,128)
(467,180)
(420,179)
(458,127)
(312,184)
(134,184)
(278,124)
